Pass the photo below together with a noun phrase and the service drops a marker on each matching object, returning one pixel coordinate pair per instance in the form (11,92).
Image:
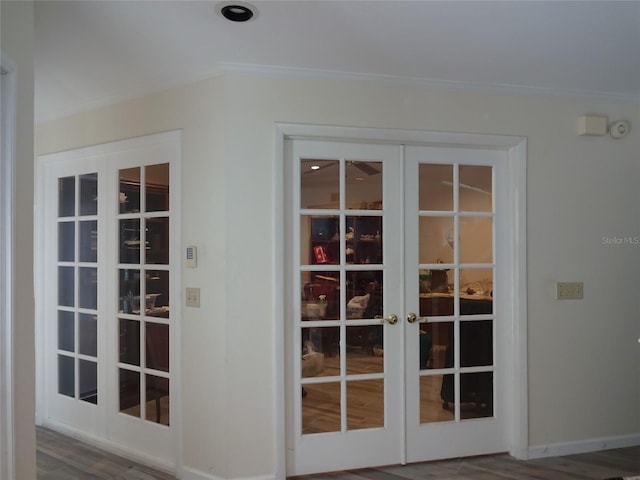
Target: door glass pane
(475,188)
(66,376)
(433,341)
(364,294)
(66,286)
(319,240)
(129,291)
(88,381)
(476,343)
(89,194)
(320,352)
(129,392)
(66,197)
(433,408)
(157,344)
(363,240)
(129,341)
(89,241)
(476,395)
(88,288)
(435,304)
(129,197)
(157,297)
(66,241)
(436,187)
(157,187)
(476,291)
(435,241)
(321,408)
(319,183)
(363,185)
(157,395)
(88,334)
(130,241)
(476,240)
(365,349)
(66,331)
(320,295)
(365,404)
(157,240)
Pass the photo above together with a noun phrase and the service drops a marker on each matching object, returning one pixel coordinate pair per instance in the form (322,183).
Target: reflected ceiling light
(315,167)
(237,11)
(359,179)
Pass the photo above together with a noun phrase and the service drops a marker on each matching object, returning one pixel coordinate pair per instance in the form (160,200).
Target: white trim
(193,474)
(584,446)
(516,147)
(7,210)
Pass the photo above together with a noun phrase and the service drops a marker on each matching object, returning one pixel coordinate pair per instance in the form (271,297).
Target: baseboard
(111,447)
(584,446)
(187,473)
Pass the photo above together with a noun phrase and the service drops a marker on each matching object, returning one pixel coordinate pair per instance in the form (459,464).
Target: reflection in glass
(88,287)
(364,294)
(66,376)
(88,381)
(432,407)
(66,286)
(321,408)
(363,185)
(320,184)
(129,392)
(476,395)
(89,194)
(89,241)
(363,240)
(157,297)
(435,240)
(130,241)
(435,187)
(66,331)
(129,339)
(320,295)
(319,240)
(365,349)
(157,187)
(320,352)
(365,404)
(157,397)
(66,197)
(475,188)
(434,339)
(476,240)
(66,241)
(157,344)
(476,291)
(129,197)
(436,305)
(435,281)
(476,343)
(157,240)
(88,334)
(129,291)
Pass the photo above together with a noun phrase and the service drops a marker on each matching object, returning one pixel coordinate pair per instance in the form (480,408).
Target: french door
(109,316)
(395,333)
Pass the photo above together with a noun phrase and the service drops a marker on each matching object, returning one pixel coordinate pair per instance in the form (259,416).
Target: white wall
(17,42)
(583,355)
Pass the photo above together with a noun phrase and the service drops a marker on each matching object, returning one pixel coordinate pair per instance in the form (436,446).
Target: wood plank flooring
(63,458)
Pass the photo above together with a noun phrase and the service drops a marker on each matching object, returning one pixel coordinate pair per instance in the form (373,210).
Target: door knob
(411,317)
(391,319)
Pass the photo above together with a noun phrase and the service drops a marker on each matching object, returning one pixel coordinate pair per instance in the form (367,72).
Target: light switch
(193,297)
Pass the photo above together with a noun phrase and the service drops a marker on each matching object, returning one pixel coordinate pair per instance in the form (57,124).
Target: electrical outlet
(193,297)
(569,290)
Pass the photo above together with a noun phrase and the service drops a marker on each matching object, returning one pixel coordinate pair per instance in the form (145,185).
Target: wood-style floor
(63,458)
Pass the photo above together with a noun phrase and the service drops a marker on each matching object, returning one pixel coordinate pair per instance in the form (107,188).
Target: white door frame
(7,209)
(516,148)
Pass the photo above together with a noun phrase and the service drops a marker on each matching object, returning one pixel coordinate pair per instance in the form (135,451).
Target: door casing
(516,147)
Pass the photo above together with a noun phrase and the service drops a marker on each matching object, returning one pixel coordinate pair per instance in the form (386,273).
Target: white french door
(396,332)
(109,315)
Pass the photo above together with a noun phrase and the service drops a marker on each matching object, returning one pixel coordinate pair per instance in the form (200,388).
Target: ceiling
(92,53)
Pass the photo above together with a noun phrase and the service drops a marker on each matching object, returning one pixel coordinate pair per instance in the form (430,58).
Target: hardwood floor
(63,458)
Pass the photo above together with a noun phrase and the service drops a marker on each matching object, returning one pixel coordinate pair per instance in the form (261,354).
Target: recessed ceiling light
(315,167)
(237,11)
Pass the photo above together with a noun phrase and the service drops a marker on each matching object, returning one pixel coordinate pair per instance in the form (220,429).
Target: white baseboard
(187,473)
(584,446)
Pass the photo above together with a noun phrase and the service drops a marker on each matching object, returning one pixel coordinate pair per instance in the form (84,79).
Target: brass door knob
(411,317)
(391,319)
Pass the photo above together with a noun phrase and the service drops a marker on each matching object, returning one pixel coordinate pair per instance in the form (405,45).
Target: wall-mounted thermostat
(192,257)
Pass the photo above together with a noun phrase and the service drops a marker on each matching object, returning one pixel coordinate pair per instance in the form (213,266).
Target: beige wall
(583,361)
(17,42)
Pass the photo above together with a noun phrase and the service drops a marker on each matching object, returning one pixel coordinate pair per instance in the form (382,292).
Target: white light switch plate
(193,297)
(569,290)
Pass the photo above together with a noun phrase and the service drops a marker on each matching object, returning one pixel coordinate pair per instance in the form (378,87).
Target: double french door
(109,316)
(397,327)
